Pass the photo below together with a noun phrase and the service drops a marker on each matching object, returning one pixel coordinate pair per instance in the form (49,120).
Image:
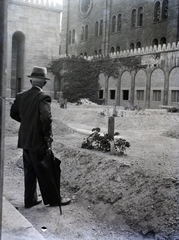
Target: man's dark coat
(32,109)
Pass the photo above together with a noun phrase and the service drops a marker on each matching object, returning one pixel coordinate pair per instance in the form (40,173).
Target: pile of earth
(139,189)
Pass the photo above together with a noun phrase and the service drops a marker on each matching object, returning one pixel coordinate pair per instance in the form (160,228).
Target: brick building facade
(113,25)
(122,29)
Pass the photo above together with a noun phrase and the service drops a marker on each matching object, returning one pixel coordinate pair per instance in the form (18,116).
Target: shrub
(173,110)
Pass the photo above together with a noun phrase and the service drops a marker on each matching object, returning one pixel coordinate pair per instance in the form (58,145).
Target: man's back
(32,109)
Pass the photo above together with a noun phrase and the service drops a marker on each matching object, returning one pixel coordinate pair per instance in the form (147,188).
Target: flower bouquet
(100,141)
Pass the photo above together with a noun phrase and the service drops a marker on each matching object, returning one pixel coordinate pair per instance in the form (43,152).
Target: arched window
(85,54)
(73,36)
(157,11)
(117,49)
(165,10)
(101,28)
(100,52)
(95,52)
(133,18)
(86,32)
(17,61)
(112,49)
(163,41)
(138,45)
(119,22)
(155,42)
(96,29)
(114,23)
(132,46)
(140,17)
(82,33)
(69,37)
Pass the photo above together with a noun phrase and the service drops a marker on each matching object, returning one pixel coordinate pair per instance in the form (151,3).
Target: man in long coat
(32,109)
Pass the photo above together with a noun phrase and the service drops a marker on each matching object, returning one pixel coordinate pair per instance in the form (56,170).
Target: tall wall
(149,28)
(75,18)
(150,79)
(33,40)
(158,71)
(146,29)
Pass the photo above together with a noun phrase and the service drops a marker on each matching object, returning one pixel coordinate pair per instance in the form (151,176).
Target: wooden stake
(65,103)
(111,127)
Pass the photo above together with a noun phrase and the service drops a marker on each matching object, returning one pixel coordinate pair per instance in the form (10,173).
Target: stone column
(9,58)
(118,90)
(3,63)
(67,29)
(132,89)
(148,89)
(107,18)
(166,87)
(106,89)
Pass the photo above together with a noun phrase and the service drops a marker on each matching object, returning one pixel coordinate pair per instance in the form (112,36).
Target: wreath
(100,141)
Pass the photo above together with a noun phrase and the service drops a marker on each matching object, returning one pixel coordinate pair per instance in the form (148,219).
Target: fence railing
(136,52)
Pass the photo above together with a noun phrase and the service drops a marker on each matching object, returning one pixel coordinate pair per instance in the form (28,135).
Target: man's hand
(49,147)
(49,144)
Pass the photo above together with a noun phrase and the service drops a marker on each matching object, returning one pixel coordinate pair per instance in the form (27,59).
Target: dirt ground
(129,197)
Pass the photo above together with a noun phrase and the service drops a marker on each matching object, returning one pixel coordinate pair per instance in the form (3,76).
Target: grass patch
(172,132)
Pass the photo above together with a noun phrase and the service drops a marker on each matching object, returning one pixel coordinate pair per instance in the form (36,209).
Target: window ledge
(113,33)
(161,21)
(135,27)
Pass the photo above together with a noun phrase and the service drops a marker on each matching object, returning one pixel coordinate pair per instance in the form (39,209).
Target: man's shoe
(64,201)
(33,204)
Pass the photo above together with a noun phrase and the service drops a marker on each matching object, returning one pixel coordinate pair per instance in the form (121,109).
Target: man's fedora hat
(39,72)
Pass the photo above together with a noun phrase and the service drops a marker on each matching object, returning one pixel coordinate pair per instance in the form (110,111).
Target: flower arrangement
(101,141)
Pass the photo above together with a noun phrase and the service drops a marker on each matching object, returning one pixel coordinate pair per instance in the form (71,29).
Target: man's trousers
(33,172)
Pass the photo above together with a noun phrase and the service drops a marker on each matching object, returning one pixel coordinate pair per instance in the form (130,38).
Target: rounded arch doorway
(17,63)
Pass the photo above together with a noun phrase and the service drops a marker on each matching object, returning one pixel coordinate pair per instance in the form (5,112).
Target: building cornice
(45,5)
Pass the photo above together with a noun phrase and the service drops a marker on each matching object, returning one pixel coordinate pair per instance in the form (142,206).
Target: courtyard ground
(129,197)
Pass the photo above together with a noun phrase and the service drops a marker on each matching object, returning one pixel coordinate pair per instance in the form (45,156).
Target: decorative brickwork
(51,5)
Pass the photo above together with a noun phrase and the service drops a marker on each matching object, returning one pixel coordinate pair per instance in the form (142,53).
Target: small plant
(173,110)
(102,113)
(105,112)
(102,142)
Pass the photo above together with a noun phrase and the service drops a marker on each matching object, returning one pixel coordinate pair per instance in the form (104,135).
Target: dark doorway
(17,63)
(101,94)
(112,94)
(125,94)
